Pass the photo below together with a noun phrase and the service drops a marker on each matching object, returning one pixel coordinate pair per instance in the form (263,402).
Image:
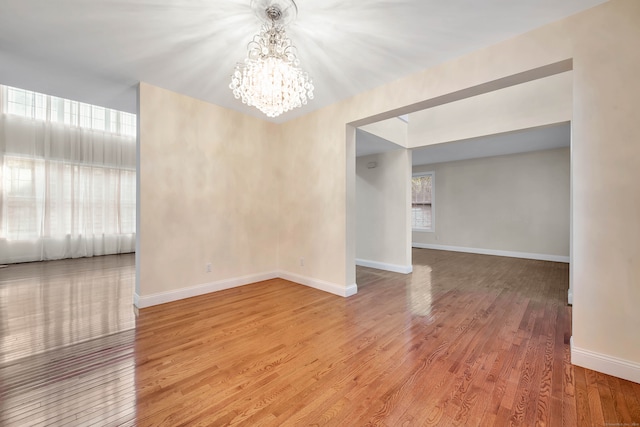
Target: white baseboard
(194,291)
(570,296)
(404,269)
(512,254)
(205,288)
(606,364)
(320,284)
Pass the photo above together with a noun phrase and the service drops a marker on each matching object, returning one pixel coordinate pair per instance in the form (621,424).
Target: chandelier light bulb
(270,78)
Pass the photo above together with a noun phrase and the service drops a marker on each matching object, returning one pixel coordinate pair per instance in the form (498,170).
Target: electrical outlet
(208,267)
(301,262)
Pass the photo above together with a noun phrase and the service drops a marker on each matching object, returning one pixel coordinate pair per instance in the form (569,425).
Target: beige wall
(514,203)
(601,46)
(536,103)
(206,193)
(383,224)
(606,144)
(312,190)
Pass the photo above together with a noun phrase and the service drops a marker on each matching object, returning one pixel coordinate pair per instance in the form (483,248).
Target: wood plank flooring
(67,342)
(466,340)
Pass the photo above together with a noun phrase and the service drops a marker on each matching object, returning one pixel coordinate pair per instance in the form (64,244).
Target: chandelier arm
(253,44)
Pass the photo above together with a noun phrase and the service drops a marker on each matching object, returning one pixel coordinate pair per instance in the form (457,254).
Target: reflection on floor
(67,332)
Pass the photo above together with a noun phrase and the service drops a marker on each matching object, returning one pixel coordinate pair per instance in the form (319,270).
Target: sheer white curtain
(68,179)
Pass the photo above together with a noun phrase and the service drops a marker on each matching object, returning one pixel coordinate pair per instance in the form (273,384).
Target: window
(26,103)
(80,199)
(422,201)
(36,106)
(19,206)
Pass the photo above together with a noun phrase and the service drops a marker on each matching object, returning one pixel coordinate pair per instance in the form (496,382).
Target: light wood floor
(466,340)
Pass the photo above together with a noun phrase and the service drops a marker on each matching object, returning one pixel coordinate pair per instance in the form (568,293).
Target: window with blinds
(422,201)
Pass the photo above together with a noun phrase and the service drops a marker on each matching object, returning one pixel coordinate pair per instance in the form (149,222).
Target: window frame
(433,202)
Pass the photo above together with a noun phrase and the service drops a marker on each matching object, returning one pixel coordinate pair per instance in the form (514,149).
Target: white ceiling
(521,141)
(97,50)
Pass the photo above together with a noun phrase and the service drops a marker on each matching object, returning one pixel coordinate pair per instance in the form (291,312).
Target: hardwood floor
(47,305)
(466,340)
(67,335)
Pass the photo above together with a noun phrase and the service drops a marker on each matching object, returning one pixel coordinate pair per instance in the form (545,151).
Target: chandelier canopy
(270,78)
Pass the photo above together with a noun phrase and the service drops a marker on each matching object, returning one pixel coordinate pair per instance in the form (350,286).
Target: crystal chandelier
(270,78)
